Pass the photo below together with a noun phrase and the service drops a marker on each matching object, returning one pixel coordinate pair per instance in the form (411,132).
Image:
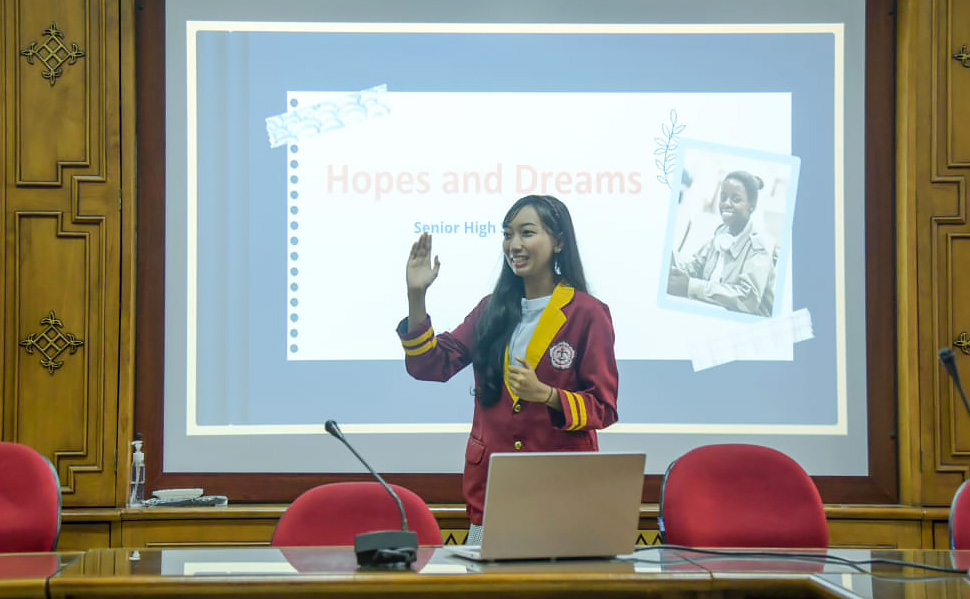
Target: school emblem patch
(562,355)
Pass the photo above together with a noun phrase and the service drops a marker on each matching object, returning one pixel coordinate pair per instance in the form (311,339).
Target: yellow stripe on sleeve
(572,409)
(581,404)
(419,340)
(426,347)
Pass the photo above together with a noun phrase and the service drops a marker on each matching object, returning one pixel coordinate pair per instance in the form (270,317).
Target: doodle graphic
(666,150)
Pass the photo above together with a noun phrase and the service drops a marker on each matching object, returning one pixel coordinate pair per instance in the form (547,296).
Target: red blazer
(571,350)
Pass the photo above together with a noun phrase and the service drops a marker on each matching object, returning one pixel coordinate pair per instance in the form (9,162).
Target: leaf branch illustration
(666,150)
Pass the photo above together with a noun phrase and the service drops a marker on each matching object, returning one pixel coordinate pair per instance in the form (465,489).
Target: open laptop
(559,505)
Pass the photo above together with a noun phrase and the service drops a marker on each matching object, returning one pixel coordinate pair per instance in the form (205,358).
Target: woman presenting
(541,347)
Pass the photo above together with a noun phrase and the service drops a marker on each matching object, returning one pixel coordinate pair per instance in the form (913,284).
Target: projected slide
(368,171)
(704,175)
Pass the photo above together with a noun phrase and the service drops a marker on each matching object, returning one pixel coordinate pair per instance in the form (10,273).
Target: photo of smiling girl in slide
(735,269)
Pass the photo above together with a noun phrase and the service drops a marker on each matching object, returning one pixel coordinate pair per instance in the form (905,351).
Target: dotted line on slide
(294,240)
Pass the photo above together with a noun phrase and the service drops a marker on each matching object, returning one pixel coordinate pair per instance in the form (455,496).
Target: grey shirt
(739,275)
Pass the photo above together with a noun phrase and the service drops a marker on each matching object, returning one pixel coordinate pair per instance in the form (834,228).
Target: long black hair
(504,309)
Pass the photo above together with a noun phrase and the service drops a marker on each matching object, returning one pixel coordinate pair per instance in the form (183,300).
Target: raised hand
(420,273)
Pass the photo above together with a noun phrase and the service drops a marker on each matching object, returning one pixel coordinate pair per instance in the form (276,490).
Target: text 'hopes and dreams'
(521,179)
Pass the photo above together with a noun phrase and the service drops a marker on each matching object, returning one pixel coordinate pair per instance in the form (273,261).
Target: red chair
(30,500)
(739,495)
(333,514)
(960,518)
(960,527)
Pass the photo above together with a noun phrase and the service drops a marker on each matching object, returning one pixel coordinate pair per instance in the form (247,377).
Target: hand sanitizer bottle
(136,494)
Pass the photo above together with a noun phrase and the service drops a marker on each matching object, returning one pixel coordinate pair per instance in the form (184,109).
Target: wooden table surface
(650,572)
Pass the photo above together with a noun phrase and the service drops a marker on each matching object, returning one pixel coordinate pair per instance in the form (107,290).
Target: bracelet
(552,391)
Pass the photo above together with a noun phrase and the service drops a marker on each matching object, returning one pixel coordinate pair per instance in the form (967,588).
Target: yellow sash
(550,321)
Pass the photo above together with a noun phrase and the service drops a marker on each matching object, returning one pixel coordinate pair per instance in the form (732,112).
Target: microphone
(382,548)
(947,358)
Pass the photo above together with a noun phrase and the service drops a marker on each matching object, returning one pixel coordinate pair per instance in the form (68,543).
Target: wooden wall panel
(875,534)
(951,167)
(946,256)
(198,533)
(933,256)
(60,76)
(956,43)
(56,409)
(955,322)
(912,36)
(941,536)
(63,200)
(947,439)
(849,526)
(81,537)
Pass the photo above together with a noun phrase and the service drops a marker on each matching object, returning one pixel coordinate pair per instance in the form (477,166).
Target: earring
(555,266)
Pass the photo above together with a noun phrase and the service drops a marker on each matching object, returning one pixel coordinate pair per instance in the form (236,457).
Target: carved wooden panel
(957,42)
(935,147)
(949,255)
(59,70)
(61,408)
(63,253)
(957,326)
(954,251)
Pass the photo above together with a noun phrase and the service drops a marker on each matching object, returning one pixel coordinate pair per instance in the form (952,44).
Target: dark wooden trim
(880,143)
(881,486)
(150,230)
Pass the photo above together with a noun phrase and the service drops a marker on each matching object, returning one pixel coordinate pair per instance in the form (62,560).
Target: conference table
(332,571)
(26,574)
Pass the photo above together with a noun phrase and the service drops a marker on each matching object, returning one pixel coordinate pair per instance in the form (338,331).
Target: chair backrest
(333,514)
(30,500)
(960,518)
(740,495)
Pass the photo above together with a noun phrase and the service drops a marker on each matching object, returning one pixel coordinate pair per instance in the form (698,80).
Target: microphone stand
(949,362)
(393,549)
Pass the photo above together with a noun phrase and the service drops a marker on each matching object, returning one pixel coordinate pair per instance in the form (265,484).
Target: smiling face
(734,205)
(529,251)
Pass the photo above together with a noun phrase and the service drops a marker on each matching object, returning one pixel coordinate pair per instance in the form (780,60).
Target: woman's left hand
(524,382)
